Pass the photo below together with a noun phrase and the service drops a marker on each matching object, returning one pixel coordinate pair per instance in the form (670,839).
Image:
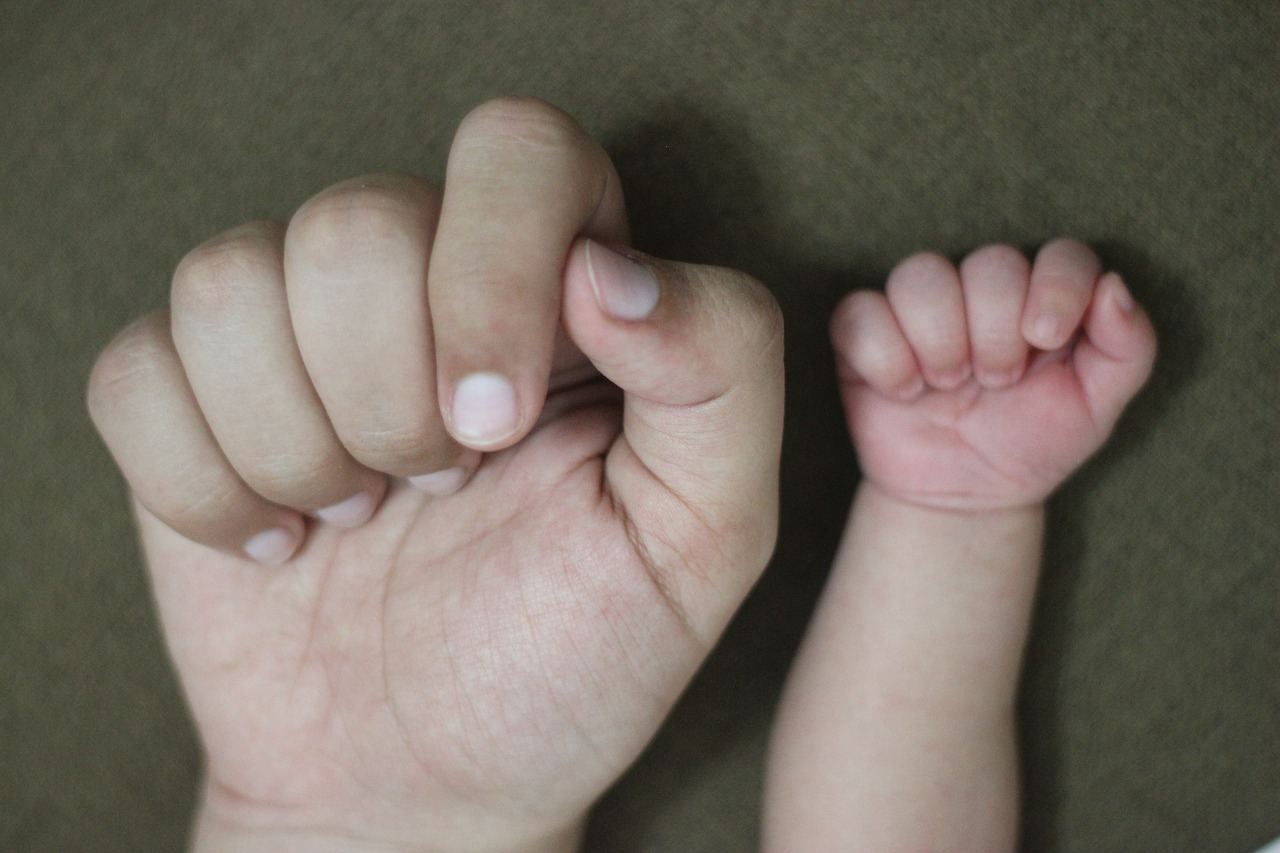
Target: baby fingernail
(1124,299)
(484,408)
(912,389)
(352,512)
(952,378)
(1047,331)
(272,546)
(440,483)
(624,289)
(999,379)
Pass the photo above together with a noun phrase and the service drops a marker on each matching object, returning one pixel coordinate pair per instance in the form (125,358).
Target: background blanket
(812,144)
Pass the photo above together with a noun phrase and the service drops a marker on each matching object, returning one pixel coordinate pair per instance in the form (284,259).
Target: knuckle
(770,329)
(519,122)
(762,320)
(921,264)
(364,215)
(750,300)
(129,360)
(1066,262)
(922,276)
(994,260)
(288,477)
(873,359)
(215,279)
(1068,245)
(194,501)
(857,309)
(401,450)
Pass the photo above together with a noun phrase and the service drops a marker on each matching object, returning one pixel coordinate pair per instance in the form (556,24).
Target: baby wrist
(956,505)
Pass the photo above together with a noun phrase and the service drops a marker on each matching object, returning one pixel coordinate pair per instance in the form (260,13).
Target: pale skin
(971,394)
(428,581)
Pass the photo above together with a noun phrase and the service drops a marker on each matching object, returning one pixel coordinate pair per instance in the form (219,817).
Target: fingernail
(1046,331)
(272,546)
(440,483)
(1124,299)
(624,289)
(912,389)
(484,408)
(995,381)
(952,378)
(352,512)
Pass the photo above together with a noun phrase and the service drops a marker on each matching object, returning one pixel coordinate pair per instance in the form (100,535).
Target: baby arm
(970,394)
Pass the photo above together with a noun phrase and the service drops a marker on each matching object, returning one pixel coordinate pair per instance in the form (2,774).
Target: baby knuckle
(1068,246)
(857,311)
(858,304)
(920,266)
(882,363)
(995,256)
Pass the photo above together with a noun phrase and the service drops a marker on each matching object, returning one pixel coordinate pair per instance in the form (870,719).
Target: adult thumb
(698,354)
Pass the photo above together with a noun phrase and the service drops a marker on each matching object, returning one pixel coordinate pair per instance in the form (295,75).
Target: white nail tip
(272,546)
(952,378)
(1047,330)
(440,483)
(352,512)
(912,389)
(626,290)
(997,381)
(484,408)
(1124,300)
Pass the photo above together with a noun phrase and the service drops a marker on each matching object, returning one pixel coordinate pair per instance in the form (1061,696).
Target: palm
(976,448)
(472,669)
(492,653)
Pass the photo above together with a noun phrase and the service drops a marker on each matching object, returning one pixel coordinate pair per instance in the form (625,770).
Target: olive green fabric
(809,143)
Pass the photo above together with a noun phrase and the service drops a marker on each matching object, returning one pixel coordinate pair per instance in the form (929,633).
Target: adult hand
(489,595)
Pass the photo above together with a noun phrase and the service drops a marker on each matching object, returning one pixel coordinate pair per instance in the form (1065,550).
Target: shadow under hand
(693,194)
(1054,632)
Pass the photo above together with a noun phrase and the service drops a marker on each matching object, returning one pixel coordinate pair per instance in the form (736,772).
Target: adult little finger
(139,400)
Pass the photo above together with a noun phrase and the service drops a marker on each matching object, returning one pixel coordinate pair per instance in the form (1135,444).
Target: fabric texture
(812,144)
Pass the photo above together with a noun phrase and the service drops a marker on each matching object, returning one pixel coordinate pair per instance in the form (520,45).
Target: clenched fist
(512,479)
(985,386)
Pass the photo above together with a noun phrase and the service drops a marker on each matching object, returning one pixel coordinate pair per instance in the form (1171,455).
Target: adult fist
(518,476)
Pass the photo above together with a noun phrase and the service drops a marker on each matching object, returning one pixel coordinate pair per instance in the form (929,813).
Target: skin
(971,394)
(468,663)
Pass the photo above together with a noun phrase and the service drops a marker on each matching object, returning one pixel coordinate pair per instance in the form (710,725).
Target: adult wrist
(212,836)
(218,832)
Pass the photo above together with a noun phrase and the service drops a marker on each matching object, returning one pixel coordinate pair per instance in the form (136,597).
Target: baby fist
(985,386)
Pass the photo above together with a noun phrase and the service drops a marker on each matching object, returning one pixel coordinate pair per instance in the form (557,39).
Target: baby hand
(987,386)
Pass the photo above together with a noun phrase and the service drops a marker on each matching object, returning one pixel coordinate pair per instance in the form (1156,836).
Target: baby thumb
(697,352)
(1115,354)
